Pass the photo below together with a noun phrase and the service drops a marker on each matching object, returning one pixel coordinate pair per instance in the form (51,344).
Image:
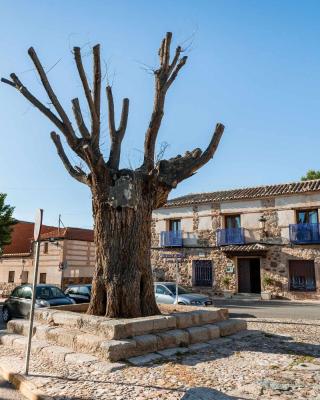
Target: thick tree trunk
(123,282)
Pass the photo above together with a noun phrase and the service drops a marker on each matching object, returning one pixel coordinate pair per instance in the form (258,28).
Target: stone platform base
(76,337)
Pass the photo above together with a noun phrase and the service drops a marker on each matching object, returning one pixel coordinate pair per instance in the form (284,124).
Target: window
(172,288)
(15,292)
(73,290)
(161,290)
(43,277)
(49,292)
(26,292)
(307,216)
(45,248)
(24,276)
(18,292)
(202,273)
(302,275)
(175,225)
(232,221)
(84,290)
(11,277)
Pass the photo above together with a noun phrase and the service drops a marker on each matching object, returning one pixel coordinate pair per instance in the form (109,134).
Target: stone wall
(164,269)
(276,265)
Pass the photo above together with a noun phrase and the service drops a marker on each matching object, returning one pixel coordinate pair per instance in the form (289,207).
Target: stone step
(114,350)
(57,353)
(110,329)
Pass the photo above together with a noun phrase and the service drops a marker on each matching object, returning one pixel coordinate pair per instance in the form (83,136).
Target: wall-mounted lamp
(263,221)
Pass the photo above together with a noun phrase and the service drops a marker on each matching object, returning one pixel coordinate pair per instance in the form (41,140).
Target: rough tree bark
(122,199)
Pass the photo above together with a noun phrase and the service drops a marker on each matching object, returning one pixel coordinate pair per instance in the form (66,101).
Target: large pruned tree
(122,199)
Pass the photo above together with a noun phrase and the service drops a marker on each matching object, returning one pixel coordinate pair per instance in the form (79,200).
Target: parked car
(18,304)
(79,293)
(165,293)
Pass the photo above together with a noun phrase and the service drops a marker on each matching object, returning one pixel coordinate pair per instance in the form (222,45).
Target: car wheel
(182,304)
(5,315)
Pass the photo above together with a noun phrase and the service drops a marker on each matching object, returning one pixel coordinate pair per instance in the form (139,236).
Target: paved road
(270,309)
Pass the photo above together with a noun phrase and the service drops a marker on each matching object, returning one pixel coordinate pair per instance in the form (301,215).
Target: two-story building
(246,240)
(67,255)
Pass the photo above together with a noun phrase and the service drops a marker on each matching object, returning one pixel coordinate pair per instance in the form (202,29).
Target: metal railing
(304,233)
(171,239)
(230,236)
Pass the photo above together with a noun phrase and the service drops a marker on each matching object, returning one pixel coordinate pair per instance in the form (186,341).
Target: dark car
(18,304)
(79,293)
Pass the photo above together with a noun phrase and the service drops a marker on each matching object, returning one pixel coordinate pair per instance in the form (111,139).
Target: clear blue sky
(253,65)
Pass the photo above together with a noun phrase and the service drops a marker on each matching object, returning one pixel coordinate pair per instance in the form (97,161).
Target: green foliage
(267,280)
(6,221)
(311,175)
(226,281)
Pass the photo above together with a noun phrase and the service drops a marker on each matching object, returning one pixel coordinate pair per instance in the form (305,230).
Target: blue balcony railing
(230,236)
(171,239)
(304,233)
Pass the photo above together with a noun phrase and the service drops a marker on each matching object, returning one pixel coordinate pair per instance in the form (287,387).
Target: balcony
(230,236)
(304,233)
(171,239)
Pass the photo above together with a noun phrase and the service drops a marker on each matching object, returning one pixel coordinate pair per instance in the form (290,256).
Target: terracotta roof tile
(70,233)
(22,236)
(245,248)
(247,193)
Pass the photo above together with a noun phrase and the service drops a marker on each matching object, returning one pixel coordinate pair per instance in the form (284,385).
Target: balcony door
(175,225)
(307,216)
(232,221)
(307,228)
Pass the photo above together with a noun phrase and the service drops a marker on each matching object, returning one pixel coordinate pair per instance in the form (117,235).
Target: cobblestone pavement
(275,359)
(8,392)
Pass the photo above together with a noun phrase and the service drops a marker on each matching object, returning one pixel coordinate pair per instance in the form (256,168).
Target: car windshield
(172,288)
(49,292)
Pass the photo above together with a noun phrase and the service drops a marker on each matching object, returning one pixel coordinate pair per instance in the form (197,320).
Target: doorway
(249,279)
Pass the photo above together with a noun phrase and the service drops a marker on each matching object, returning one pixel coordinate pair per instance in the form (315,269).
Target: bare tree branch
(96,93)
(69,132)
(175,59)
(79,119)
(116,135)
(176,71)
(17,84)
(76,173)
(164,77)
(112,125)
(175,170)
(124,117)
(86,88)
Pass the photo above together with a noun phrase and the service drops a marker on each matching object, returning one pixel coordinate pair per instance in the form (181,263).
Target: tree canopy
(311,175)
(6,221)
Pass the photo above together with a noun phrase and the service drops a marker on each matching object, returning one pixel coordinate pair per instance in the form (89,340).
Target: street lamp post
(37,230)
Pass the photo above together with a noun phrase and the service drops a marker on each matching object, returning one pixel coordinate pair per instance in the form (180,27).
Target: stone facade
(199,224)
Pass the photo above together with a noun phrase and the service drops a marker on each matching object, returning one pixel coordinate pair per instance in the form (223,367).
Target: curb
(21,383)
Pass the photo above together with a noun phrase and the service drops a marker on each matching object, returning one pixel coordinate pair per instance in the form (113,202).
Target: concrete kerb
(23,385)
